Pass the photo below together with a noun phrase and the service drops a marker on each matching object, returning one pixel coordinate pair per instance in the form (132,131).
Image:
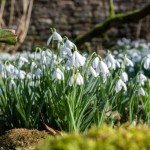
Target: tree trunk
(114,21)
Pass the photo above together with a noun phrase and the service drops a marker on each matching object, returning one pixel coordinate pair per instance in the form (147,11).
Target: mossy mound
(21,139)
(104,138)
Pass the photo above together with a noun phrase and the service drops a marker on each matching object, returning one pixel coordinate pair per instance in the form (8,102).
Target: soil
(22,138)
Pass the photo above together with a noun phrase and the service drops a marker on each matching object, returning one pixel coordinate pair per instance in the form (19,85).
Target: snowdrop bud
(142,79)
(54,36)
(134,123)
(119,85)
(57,75)
(124,77)
(147,62)
(93,72)
(12,84)
(77,60)
(76,79)
(38,73)
(21,61)
(141,92)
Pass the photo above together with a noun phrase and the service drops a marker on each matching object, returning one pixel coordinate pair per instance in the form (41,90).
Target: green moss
(105,138)
(8,36)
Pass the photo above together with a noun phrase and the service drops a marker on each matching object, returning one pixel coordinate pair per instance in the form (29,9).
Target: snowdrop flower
(10,68)
(128,62)
(147,62)
(111,62)
(124,77)
(120,85)
(95,62)
(21,61)
(142,79)
(57,75)
(48,53)
(54,36)
(76,79)
(30,75)
(65,51)
(93,72)
(103,68)
(38,73)
(141,92)
(77,60)
(12,84)
(21,74)
(33,66)
(43,57)
(69,44)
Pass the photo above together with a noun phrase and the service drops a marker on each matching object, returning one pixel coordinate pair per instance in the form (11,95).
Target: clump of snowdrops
(70,91)
(136,50)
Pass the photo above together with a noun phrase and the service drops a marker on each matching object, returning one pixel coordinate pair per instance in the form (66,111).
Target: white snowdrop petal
(69,44)
(49,40)
(119,85)
(129,62)
(57,36)
(93,72)
(103,68)
(57,75)
(141,92)
(95,63)
(77,60)
(124,77)
(147,63)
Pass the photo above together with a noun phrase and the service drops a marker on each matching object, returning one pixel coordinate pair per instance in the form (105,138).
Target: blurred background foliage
(32,20)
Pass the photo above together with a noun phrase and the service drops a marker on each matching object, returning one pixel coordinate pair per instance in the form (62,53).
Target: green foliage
(104,138)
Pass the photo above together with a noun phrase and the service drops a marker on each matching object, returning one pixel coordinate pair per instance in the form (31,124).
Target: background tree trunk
(113,21)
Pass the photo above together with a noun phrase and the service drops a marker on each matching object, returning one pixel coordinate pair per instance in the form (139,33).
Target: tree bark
(114,21)
(8,36)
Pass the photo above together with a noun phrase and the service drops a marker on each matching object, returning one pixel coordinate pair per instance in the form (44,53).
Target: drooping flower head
(57,75)
(124,77)
(76,79)
(54,36)
(22,61)
(141,92)
(147,62)
(120,85)
(77,60)
(141,79)
(111,62)
(68,43)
